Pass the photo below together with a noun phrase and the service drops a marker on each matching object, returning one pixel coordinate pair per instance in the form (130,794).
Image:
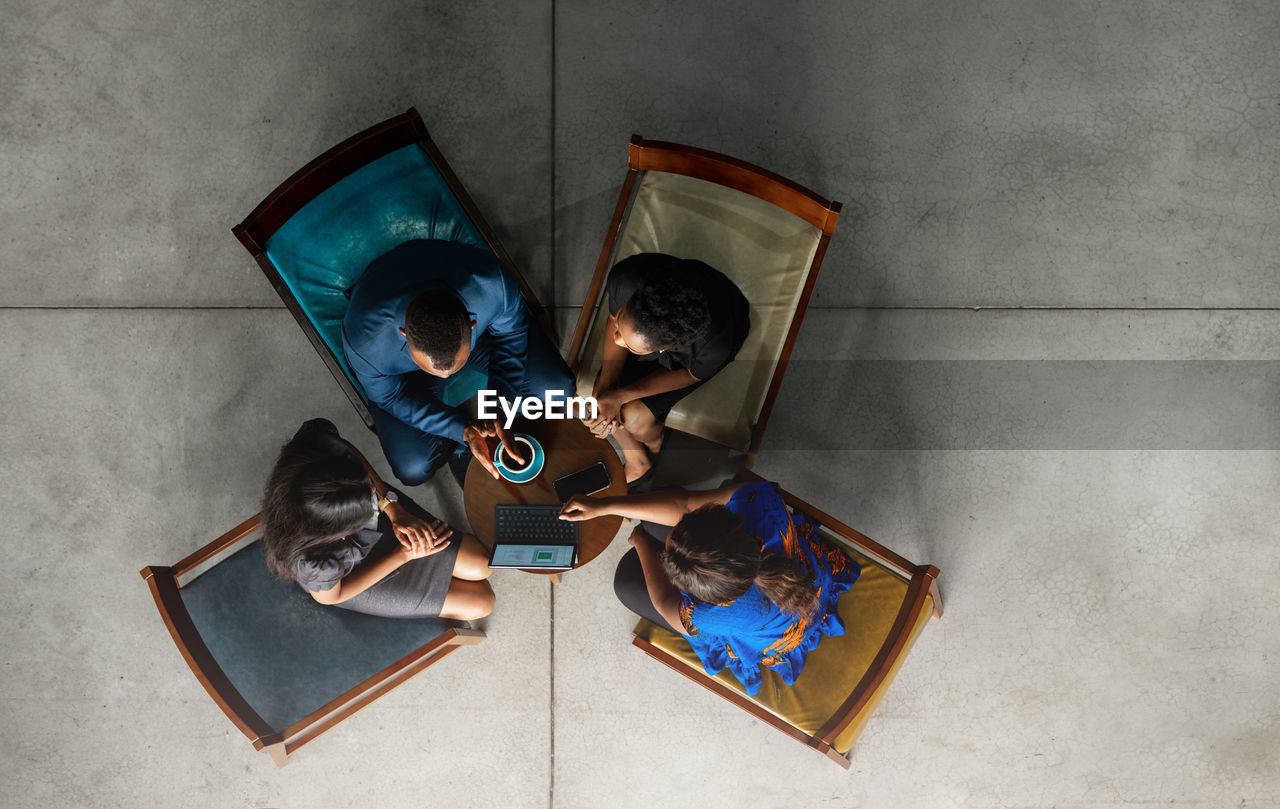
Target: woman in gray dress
(350,540)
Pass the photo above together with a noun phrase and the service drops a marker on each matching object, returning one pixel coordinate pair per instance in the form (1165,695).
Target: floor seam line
(56,307)
(551,220)
(551,781)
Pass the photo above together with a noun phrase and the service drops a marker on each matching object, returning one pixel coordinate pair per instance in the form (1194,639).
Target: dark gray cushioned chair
(282,667)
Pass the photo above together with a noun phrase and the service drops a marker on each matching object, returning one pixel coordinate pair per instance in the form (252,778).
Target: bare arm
(654,383)
(610,398)
(615,356)
(614,359)
(356,582)
(364,577)
(407,526)
(664,595)
(610,403)
(664,508)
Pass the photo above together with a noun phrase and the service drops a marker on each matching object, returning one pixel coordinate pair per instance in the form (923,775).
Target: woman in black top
(673,323)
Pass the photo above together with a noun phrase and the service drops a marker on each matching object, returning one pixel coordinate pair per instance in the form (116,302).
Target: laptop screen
(560,556)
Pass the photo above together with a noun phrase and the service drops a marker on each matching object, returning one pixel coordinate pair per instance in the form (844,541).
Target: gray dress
(416,589)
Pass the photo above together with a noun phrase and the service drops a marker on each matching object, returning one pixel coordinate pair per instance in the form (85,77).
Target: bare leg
(467,600)
(642,426)
(635,457)
(472,561)
(640,437)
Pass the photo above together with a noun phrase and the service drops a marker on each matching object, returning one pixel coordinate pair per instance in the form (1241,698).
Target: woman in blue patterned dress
(746,581)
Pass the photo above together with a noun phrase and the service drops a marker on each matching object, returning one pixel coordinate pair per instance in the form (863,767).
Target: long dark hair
(313,498)
(711,556)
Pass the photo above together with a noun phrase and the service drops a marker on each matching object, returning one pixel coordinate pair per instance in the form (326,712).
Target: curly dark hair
(436,323)
(668,313)
(711,556)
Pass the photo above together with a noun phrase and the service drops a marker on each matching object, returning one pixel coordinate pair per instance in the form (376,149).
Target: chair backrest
(764,232)
(315,234)
(281,666)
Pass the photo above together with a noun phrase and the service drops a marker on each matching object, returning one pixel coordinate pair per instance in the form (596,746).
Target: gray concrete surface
(136,134)
(1010,154)
(1096,480)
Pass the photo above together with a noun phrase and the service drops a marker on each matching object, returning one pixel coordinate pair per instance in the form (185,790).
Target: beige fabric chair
(844,678)
(765,233)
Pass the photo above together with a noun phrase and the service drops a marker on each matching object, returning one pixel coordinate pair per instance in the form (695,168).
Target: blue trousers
(415,456)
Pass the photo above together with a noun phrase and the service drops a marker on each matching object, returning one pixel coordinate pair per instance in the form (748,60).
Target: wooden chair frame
(319,175)
(651,155)
(922,581)
(279,743)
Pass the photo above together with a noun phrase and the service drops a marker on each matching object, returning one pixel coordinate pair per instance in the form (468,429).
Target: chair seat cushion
(324,248)
(286,654)
(835,667)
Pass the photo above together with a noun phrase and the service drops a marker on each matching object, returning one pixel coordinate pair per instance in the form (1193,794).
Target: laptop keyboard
(533,525)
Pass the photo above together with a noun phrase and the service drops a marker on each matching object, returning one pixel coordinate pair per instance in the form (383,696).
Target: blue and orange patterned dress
(751,631)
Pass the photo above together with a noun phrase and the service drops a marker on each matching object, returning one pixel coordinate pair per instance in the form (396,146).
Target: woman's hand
(581,507)
(608,414)
(410,528)
(602,428)
(418,546)
(609,406)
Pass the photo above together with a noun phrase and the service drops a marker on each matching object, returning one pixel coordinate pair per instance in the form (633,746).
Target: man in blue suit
(423,312)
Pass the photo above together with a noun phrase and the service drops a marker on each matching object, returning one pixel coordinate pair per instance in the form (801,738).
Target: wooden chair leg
(278,754)
(933,573)
(842,760)
(467,637)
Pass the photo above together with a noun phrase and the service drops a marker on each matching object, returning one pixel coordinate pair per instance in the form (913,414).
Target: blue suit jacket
(379,354)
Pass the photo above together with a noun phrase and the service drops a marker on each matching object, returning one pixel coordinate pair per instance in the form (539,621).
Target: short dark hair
(435,324)
(668,313)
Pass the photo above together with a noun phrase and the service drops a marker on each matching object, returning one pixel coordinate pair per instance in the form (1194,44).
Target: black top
(729,309)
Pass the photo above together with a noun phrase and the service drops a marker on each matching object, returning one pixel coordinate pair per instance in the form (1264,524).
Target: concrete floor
(1042,355)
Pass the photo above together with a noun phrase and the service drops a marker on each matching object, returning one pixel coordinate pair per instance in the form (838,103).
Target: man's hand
(410,528)
(476,435)
(510,445)
(581,507)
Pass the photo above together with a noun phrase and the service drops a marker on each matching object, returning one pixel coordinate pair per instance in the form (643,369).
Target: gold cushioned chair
(766,233)
(845,677)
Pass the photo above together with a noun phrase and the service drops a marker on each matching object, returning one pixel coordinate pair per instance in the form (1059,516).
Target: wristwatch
(387,499)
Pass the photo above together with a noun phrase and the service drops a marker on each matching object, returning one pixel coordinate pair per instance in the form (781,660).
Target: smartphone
(584,481)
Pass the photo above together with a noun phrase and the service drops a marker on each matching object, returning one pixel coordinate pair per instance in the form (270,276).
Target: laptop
(533,538)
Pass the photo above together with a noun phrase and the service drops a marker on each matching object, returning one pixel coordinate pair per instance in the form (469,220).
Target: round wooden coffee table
(569,446)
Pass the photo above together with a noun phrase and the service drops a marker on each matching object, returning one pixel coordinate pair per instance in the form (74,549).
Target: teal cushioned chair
(282,667)
(315,234)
